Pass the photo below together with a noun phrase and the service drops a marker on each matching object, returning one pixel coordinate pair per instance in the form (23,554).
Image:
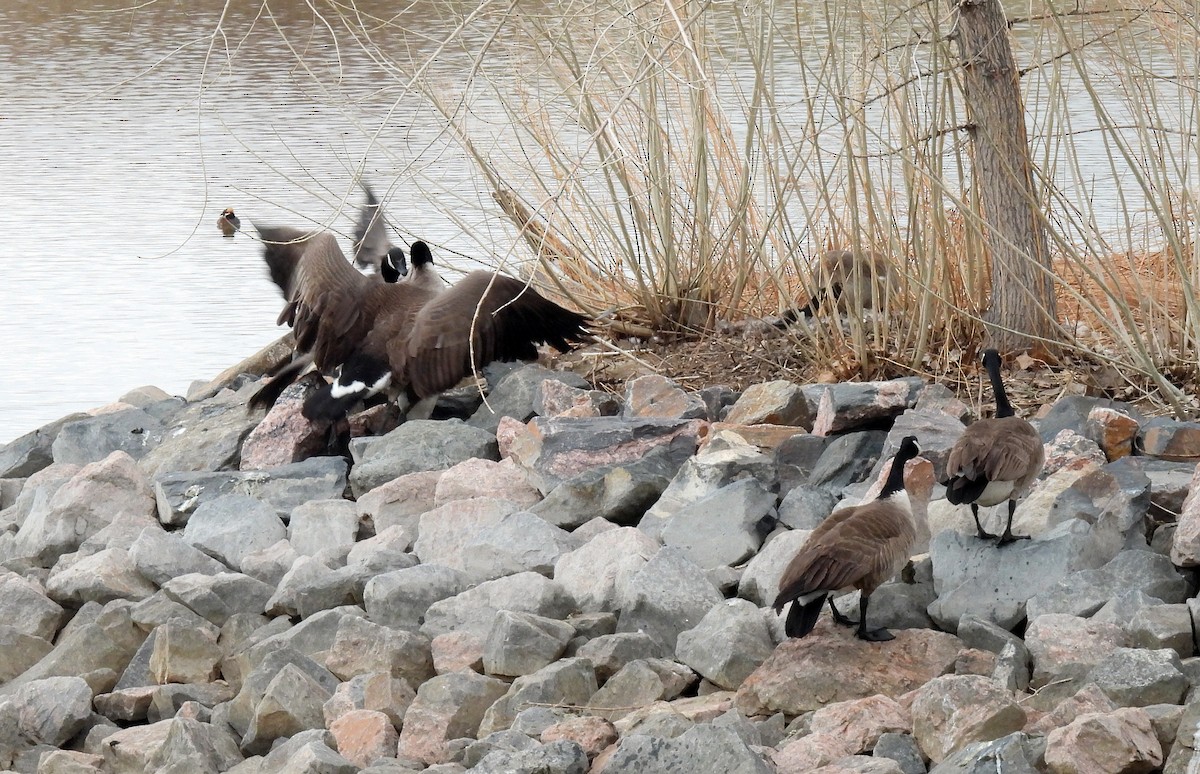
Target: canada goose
(421,271)
(371,243)
(407,338)
(228,223)
(858,547)
(994,459)
(855,280)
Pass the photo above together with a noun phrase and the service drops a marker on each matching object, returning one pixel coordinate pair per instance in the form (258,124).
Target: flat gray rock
(569,681)
(416,446)
(522,643)
(230,527)
(204,436)
(132,431)
(668,595)
(31,452)
(473,609)
(284,487)
(726,527)
(721,749)
(1084,592)
(513,395)
(519,542)
(729,643)
(160,556)
(401,598)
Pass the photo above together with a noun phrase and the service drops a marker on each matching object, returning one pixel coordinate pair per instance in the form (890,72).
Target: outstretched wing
(484,317)
(328,315)
(371,242)
(283,247)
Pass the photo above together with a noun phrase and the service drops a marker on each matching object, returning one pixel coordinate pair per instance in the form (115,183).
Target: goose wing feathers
(1005,449)
(283,247)
(862,547)
(370,236)
(482,318)
(328,314)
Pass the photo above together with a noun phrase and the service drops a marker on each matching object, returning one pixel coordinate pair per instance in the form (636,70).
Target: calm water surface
(124,133)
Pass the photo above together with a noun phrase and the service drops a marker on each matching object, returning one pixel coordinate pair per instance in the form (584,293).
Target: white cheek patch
(339,390)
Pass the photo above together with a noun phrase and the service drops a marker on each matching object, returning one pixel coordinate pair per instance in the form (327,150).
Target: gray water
(123,134)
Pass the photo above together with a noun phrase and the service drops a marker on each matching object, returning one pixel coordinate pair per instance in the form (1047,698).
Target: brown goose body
(858,547)
(407,337)
(994,459)
(854,280)
(228,223)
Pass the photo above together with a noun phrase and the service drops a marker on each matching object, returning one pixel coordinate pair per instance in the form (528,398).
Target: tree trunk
(1022,307)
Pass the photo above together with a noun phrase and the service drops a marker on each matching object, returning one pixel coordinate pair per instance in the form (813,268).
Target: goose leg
(838,617)
(983,534)
(1008,536)
(870,635)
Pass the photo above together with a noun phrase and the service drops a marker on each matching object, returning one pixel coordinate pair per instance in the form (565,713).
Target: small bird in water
(228,222)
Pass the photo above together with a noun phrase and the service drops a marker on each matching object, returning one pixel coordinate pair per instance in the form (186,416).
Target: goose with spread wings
(408,338)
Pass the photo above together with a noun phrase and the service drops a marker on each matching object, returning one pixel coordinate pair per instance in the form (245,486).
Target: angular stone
(611,652)
(1087,700)
(230,527)
(1185,549)
(160,556)
(132,749)
(831,665)
(620,493)
(805,507)
(519,542)
(513,394)
(284,435)
(848,459)
(936,432)
(31,452)
(477,477)
(1012,754)
(592,734)
(362,647)
(400,502)
(256,682)
(703,475)
(203,436)
(724,528)
(1162,437)
(504,741)
(953,711)
(972,579)
(1163,626)
(444,531)
(639,683)
(291,703)
(777,402)
(1067,647)
(448,706)
(364,735)
(1136,677)
(382,552)
(184,655)
(721,749)
(569,681)
(851,405)
(728,644)
(400,598)
(69,762)
(132,431)
(594,573)
(522,643)
(377,691)
(655,395)
(284,488)
(107,641)
(553,398)
(1124,606)
(52,710)
(473,609)
(175,699)
(217,597)
(269,564)
(760,580)
(1119,741)
(666,596)
(902,749)
(319,524)
(19,651)
(457,652)
(101,577)
(94,497)
(1113,431)
(415,446)
(25,607)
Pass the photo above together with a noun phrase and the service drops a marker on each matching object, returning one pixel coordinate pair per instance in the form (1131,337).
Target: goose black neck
(895,479)
(1003,407)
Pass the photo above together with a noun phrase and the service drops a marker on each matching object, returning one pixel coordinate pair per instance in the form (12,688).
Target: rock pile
(562,580)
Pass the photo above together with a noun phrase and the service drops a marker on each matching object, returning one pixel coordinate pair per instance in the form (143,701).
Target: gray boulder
(596,573)
(194,747)
(519,542)
(232,526)
(25,607)
(1013,754)
(243,707)
(805,507)
(796,457)
(319,524)
(609,653)
(777,402)
(448,706)
(132,431)
(443,532)
(851,405)
(522,643)
(561,757)
(218,597)
(473,609)
(721,749)
(620,493)
(848,459)
(1084,592)
(416,446)
(160,556)
(52,710)
(31,452)
(401,598)
(204,436)
(729,643)
(654,395)
(284,487)
(668,595)
(570,681)
(291,703)
(101,577)
(1137,677)
(760,581)
(724,528)
(513,395)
